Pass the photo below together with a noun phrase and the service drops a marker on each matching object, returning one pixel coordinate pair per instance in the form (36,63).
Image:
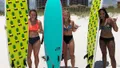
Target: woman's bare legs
(104,52)
(65,48)
(36,48)
(71,50)
(29,61)
(111,49)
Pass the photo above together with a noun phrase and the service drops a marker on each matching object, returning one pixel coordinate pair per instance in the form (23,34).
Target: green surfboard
(92,35)
(17,32)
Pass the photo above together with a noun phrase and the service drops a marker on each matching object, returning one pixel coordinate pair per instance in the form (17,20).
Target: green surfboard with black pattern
(17,32)
(92,35)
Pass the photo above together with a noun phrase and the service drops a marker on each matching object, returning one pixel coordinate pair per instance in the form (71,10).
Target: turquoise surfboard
(53,33)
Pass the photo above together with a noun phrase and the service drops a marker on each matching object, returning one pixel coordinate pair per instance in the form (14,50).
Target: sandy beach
(80,38)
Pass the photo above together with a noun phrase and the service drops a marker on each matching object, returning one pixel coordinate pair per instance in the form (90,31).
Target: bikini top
(67,28)
(106,27)
(34,27)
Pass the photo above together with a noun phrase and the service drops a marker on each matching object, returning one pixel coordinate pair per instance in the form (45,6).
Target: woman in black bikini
(106,37)
(69,27)
(35,27)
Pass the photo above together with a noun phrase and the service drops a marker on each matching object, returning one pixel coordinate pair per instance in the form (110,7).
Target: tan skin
(70,46)
(35,47)
(108,34)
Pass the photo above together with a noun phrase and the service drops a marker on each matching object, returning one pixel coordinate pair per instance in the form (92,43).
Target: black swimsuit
(68,38)
(33,40)
(107,40)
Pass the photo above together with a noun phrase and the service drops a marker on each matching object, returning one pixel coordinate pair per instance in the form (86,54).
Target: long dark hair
(106,14)
(33,10)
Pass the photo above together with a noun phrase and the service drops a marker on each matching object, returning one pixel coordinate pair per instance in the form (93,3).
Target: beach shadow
(67,67)
(99,64)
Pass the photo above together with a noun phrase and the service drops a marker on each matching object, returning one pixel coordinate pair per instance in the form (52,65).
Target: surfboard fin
(5,27)
(12,65)
(88,66)
(44,58)
(47,58)
(58,58)
(91,57)
(86,56)
(52,66)
(62,57)
(24,62)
